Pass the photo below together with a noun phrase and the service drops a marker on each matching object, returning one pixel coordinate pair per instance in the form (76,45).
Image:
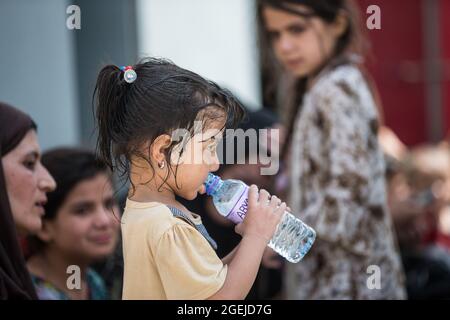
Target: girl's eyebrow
(34,154)
(83,204)
(213,138)
(295,25)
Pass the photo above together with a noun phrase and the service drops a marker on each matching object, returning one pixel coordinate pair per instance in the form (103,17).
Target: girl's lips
(104,239)
(294,63)
(202,189)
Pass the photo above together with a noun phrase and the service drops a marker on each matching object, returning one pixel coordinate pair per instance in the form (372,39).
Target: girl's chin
(194,196)
(299,73)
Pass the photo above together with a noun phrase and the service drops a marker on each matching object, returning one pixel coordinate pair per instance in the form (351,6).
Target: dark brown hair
(163,98)
(69,167)
(352,42)
(15,281)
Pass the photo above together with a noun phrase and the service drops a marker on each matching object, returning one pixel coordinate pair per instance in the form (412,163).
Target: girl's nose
(215,167)
(285,43)
(45,180)
(103,217)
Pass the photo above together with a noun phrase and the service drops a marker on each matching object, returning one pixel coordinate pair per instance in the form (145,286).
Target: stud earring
(161,165)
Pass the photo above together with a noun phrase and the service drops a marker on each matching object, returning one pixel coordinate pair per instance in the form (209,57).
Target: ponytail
(110,92)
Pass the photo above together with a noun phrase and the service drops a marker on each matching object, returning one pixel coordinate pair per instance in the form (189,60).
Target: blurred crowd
(81,222)
(419,200)
(371,198)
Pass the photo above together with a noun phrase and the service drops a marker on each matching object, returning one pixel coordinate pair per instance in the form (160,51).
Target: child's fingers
(253,195)
(274,202)
(264,196)
(281,209)
(238,229)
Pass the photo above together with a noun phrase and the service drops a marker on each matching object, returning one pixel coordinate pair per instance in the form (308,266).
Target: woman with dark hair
(336,167)
(80,227)
(24,183)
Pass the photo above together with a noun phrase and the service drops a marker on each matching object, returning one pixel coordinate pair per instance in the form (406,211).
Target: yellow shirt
(165,257)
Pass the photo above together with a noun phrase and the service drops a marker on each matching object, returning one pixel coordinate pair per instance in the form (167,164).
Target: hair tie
(129,74)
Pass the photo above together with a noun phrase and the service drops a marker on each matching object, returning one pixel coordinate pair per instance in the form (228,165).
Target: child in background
(336,167)
(419,200)
(168,253)
(80,227)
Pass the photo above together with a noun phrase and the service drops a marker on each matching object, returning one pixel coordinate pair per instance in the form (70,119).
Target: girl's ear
(159,147)
(341,24)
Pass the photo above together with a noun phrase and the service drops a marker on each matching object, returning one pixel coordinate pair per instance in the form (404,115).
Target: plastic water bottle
(292,239)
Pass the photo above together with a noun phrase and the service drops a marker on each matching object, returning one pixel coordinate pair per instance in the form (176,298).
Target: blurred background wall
(412,67)
(49,71)
(215,38)
(39,69)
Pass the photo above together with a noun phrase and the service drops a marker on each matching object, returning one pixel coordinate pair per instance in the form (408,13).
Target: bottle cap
(211,183)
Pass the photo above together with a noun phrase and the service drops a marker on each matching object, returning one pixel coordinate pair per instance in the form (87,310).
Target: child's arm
(227,259)
(257,229)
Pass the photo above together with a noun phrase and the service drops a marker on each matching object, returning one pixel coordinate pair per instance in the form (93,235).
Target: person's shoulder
(97,286)
(341,80)
(145,213)
(148,219)
(342,88)
(155,222)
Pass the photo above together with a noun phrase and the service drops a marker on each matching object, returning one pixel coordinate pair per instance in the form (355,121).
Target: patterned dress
(47,291)
(338,187)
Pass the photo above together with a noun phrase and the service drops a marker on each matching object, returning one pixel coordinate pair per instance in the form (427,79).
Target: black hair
(163,98)
(68,167)
(352,42)
(254,120)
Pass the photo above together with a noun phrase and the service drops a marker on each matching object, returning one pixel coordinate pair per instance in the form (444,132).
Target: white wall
(215,38)
(37,67)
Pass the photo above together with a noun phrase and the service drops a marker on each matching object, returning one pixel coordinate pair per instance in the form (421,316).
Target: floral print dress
(47,291)
(337,186)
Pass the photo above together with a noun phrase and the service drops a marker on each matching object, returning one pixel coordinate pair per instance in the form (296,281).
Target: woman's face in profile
(27,182)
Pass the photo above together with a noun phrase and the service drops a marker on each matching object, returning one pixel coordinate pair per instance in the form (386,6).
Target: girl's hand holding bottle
(263,216)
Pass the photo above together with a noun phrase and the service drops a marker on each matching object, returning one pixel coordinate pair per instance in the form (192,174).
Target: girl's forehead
(279,18)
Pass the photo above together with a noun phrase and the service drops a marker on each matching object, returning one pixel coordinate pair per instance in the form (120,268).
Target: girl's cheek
(115,219)
(76,226)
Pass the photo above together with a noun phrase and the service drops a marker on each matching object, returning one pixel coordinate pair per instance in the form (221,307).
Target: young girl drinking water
(168,253)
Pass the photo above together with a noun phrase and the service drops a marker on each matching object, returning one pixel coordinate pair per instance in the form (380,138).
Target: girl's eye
(81,211)
(109,204)
(297,29)
(212,147)
(30,164)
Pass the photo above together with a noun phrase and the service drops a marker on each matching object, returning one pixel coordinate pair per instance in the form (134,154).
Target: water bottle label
(237,214)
